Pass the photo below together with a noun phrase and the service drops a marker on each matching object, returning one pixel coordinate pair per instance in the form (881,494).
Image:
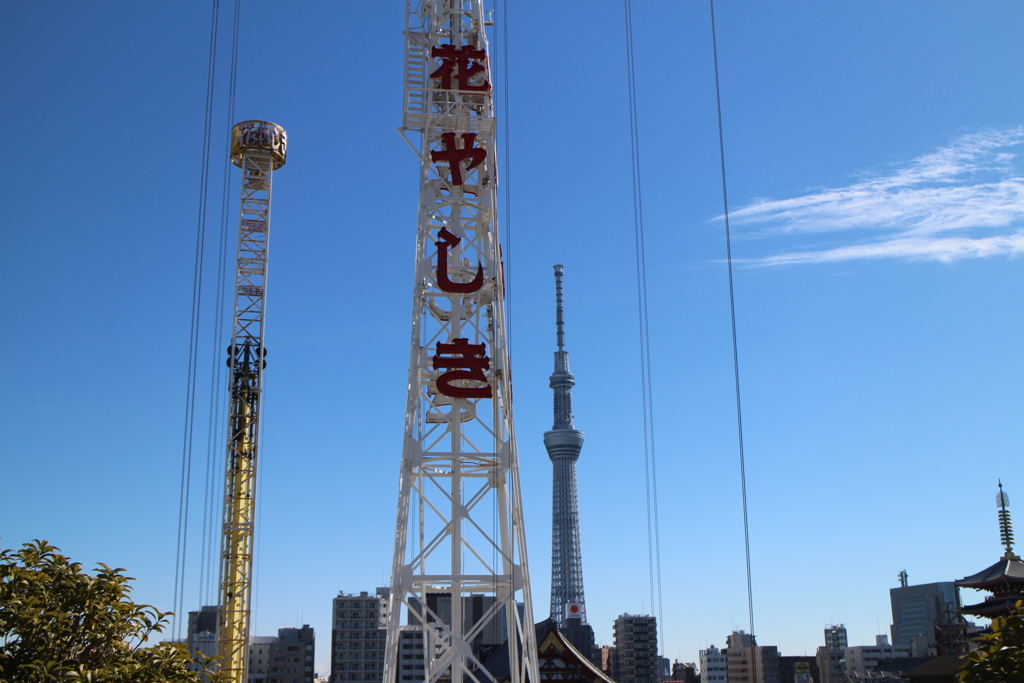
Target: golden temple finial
(1005,525)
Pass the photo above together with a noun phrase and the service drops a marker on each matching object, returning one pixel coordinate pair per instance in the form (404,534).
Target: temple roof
(1006,570)
(549,640)
(993,606)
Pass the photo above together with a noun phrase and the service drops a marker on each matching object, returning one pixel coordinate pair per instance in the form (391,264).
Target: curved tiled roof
(1006,570)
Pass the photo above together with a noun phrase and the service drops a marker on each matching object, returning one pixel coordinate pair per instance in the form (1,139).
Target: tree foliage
(58,623)
(1000,656)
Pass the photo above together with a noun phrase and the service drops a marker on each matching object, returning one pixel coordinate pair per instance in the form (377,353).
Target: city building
(862,659)
(581,636)
(831,665)
(288,658)
(915,610)
(202,632)
(1004,579)
(606,654)
(635,654)
(357,637)
(799,669)
(474,608)
(685,672)
(664,669)
(835,637)
(747,662)
(713,666)
(259,658)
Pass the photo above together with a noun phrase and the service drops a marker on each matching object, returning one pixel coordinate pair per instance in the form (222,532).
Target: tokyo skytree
(563,444)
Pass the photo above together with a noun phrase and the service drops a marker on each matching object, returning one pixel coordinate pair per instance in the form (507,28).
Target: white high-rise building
(713,666)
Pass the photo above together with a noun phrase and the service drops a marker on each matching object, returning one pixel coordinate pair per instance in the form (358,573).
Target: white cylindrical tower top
(259,137)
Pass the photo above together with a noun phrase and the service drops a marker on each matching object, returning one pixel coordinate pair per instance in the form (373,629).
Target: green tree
(58,623)
(1000,656)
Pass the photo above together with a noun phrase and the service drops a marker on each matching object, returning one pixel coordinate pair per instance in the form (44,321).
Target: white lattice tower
(258,148)
(564,443)
(460,523)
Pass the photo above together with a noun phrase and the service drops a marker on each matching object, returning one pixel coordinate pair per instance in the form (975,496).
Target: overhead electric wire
(197,288)
(506,195)
(650,470)
(211,521)
(732,317)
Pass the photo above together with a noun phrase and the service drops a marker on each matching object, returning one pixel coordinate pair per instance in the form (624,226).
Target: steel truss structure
(564,443)
(460,524)
(259,149)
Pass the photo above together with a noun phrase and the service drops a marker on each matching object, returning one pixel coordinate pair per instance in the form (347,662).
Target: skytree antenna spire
(563,444)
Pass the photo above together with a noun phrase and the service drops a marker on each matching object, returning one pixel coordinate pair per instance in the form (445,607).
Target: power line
(650,470)
(215,427)
(732,317)
(197,290)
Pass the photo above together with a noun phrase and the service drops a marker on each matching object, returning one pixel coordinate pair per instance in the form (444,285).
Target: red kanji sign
(446,241)
(469,363)
(467,60)
(453,156)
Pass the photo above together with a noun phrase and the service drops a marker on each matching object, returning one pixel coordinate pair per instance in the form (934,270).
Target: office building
(202,632)
(635,657)
(357,637)
(862,659)
(713,666)
(831,665)
(802,669)
(287,658)
(915,610)
(748,662)
(685,672)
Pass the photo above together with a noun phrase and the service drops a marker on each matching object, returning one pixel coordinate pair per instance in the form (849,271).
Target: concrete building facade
(685,672)
(915,610)
(862,659)
(202,632)
(748,662)
(713,666)
(357,637)
(831,665)
(287,658)
(801,669)
(635,654)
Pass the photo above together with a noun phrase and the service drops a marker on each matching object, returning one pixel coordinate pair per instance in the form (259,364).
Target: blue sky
(876,187)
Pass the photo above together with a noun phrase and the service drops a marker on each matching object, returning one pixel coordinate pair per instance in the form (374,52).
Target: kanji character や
(454,156)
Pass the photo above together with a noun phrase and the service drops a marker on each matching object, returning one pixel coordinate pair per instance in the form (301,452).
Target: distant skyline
(874,167)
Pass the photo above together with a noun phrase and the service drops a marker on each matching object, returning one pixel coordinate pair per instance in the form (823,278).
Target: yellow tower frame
(258,148)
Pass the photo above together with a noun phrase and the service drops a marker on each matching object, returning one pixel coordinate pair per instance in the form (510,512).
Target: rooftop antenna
(903,578)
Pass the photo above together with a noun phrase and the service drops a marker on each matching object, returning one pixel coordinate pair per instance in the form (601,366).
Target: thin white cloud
(965,200)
